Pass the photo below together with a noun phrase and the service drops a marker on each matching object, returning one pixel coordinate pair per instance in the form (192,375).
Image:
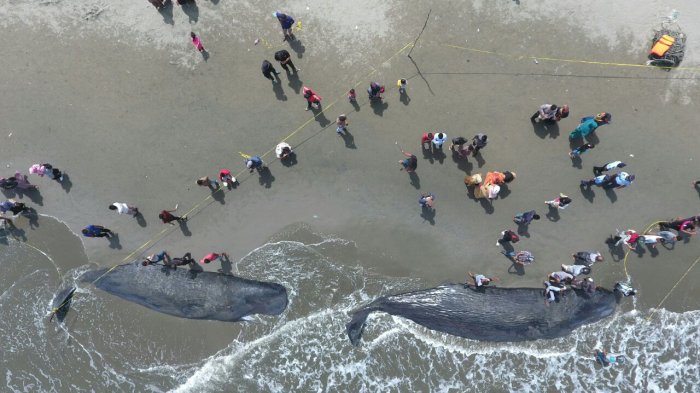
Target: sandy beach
(121,102)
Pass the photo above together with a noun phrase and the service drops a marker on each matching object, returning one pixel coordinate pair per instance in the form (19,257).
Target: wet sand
(139,119)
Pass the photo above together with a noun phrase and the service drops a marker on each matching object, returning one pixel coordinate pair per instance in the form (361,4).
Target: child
(226,177)
(352,97)
(342,122)
(401,83)
(197,42)
(580,150)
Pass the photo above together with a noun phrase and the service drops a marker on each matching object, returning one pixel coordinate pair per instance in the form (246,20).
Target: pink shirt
(197,43)
(212,256)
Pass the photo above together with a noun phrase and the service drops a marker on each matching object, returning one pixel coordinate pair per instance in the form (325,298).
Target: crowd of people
(487,186)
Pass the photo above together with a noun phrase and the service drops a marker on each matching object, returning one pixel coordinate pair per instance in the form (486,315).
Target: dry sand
(122,102)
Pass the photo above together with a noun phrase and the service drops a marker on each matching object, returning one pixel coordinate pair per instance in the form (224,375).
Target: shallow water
(109,344)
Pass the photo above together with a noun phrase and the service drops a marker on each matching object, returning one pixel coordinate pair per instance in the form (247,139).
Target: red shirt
(425,138)
(166,216)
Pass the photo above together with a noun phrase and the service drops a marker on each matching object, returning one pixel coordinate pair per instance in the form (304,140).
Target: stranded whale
(490,313)
(191,294)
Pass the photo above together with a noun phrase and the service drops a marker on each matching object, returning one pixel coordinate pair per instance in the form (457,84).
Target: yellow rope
(606,63)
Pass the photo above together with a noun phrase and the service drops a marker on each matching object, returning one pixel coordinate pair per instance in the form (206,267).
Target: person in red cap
(226,177)
(211,257)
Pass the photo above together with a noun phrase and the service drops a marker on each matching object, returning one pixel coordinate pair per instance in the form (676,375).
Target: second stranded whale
(191,294)
(490,313)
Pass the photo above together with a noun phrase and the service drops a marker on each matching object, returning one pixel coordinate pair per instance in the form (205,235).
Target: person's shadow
(294,81)
(463,163)
(523,229)
(428,214)
(486,205)
(610,193)
(183,227)
(405,99)
(33,217)
(348,139)
(479,159)
(507,247)
(166,12)
(226,266)
(653,251)
(191,10)
(617,252)
(553,214)
(439,154)
(576,162)
(219,195)
(279,92)
(194,270)
(587,192)
(545,128)
(140,219)
(379,106)
(205,55)
(428,152)
(66,184)
(265,177)
(355,105)
(515,268)
(415,180)
(297,47)
(34,195)
(114,241)
(505,191)
(321,118)
(290,161)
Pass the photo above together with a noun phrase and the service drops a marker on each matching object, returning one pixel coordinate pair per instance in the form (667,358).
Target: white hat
(493,191)
(249,164)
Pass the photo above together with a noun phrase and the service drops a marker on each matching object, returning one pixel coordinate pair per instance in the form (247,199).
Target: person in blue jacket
(287,22)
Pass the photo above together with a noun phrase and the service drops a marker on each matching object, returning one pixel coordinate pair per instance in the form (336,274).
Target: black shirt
(281,55)
(266,67)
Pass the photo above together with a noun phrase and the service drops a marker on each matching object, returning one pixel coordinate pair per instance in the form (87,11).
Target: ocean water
(106,344)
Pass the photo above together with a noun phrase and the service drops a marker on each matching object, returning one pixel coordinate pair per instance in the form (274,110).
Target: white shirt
(122,208)
(439,141)
(612,165)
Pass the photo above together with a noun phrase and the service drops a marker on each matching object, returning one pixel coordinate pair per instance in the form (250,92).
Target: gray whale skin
(490,313)
(191,294)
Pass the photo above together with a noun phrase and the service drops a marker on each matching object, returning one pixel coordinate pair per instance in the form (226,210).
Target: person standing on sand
(123,208)
(185,260)
(507,236)
(211,257)
(226,177)
(598,170)
(341,122)
(167,217)
(479,141)
(286,21)
(254,163)
(621,180)
(439,139)
(162,256)
(197,42)
(285,60)
(48,170)
(559,203)
(311,98)
(587,258)
(205,181)
(96,231)
(426,141)
(550,113)
(426,200)
(268,70)
(410,163)
(526,217)
(480,279)
(521,258)
(590,124)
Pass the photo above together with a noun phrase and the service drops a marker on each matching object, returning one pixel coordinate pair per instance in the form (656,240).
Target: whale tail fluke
(356,326)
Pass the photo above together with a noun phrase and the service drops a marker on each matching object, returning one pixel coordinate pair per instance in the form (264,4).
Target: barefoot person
(123,208)
(167,217)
